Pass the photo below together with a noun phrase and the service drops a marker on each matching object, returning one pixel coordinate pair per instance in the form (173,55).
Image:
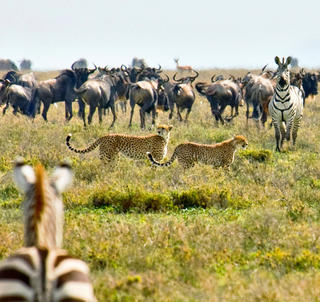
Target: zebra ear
(277,60)
(288,61)
(62,177)
(23,175)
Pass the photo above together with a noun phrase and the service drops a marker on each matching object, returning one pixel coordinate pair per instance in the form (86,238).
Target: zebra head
(283,73)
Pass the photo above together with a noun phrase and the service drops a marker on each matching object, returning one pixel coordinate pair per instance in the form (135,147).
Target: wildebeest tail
(202,88)
(168,163)
(86,150)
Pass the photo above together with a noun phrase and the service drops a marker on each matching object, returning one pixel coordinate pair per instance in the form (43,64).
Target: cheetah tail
(168,163)
(88,149)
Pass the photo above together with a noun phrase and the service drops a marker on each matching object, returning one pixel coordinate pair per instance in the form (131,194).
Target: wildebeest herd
(150,88)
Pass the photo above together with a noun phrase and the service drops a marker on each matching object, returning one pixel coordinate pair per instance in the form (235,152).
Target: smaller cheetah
(129,145)
(218,155)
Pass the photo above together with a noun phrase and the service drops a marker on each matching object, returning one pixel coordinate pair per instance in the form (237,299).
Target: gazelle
(182,69)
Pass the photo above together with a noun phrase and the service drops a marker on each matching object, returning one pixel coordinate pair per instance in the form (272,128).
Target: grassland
(248,234)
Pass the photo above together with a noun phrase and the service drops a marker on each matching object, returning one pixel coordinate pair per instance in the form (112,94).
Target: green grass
(250,233)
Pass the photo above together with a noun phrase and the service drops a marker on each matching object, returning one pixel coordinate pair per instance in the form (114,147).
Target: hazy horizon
(203,34)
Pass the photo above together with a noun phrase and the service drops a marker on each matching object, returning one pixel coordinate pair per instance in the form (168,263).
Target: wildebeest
(17,96)
(181,95)
(220,94)
(102,92)
(258,91)
(59,89)
(145,93)
(25,80)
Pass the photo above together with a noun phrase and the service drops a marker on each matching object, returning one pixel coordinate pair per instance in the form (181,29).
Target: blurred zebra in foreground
(41,271)
(286,105)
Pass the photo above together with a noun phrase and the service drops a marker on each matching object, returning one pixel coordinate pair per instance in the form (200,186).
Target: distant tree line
(7,64)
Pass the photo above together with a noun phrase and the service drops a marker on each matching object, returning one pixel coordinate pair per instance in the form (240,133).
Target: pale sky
(201,33)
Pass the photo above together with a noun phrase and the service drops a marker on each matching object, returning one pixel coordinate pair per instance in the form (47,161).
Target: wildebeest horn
(264,67)
(212,78)
(174,78)
(93,70)
(123,67)
(193,78)
(231,77)
(72,66)
(167,79)
(159,69)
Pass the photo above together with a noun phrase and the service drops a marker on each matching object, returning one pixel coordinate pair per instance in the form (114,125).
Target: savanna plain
(251,233)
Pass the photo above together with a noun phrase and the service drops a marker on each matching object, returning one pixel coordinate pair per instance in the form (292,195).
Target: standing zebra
(41,271)
(286,105)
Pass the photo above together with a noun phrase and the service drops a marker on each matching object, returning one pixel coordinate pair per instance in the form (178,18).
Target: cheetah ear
(170,127)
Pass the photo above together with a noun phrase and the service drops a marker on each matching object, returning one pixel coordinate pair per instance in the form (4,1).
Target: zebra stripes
(286,106)
(41,271)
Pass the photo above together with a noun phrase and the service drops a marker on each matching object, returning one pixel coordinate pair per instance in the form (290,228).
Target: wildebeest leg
(179,114)
(247,112)
(46,106)
(171,111)
(5,108)
(131,113)
(68,110)
(91,112)
(153,112)
(114,115)
(142,118)
(187,114)
(100,114)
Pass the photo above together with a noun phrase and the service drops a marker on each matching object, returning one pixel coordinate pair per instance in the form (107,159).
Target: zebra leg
(277,135)
(295,128)
(289,127)
(283,133)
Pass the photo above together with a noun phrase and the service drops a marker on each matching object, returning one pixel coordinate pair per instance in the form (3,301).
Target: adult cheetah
(129,145)
(217,155)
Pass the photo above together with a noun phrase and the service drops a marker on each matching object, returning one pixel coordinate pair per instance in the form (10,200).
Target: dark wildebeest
(59,89)
(102,93)
(25,80)
(307,82)
(181,95)
(258,91)
(220,94)
(146,93)
(17,96)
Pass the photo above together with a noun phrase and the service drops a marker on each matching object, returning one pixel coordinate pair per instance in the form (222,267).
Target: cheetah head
(241,141)
(164,130)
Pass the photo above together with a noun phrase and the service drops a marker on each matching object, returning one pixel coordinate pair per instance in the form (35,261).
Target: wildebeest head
(163,99)
(82,74)
(282,73)
(186,80)
(310,84)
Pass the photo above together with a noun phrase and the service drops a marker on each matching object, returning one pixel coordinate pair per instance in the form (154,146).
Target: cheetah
(129,145)
(217,155)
